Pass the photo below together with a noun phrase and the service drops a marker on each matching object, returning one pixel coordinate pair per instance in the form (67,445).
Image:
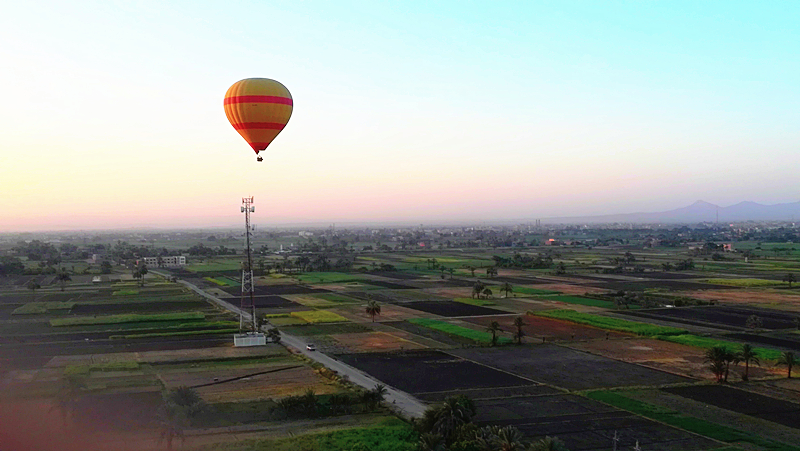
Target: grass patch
(329,277)
(127,292)
(459,331)
(534,291)
(472,301)
(327,329)
(287,321)
(686,422)
(221,281)
(749,283)
(318,316)
(391,434)
(38,308)
(127,318)
(176,334)
(333,297)
(579,300)
(605,322)
(707,343)
(85,370)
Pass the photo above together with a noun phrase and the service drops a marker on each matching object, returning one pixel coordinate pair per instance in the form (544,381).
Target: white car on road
(311,347)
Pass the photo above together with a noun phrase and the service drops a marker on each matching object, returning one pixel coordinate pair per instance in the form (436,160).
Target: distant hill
(699,211)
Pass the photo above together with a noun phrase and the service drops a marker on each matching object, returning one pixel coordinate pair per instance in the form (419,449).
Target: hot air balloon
(258,108)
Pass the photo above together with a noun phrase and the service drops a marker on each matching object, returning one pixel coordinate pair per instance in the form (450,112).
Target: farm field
(567,368)
(429,371)
(728,317)
(537,328)
(452,309)
(669,357)
(744,402)
(584,424)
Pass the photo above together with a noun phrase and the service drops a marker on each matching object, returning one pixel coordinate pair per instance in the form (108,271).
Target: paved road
(405,403)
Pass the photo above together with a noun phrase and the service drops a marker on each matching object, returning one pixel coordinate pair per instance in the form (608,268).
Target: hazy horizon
(405,112)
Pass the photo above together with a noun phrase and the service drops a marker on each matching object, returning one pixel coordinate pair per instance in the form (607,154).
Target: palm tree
(372,309)
(33,285)
(547,444)
(63,277)
(494,328)
(718,357)
(379,393)
(142,272)
(496,438)
(789,277)
(431,442)
(519,323)
(172,420)
(487,292)
(446,418)
(477,289)
(507,288)
(72,386)
(472,270)
(747,354)
(451,271)
(788,358)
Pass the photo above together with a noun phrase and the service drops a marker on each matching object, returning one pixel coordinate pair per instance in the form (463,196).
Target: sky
(403,111)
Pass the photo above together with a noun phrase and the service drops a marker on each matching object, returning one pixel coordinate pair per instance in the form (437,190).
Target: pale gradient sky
(404,111)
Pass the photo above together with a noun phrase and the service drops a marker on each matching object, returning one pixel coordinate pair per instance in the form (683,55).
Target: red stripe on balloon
(258,99)
(259,126)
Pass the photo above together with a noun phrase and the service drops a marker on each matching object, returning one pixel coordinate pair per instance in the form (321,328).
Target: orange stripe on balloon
(259,126)
(258,99)
(258,147)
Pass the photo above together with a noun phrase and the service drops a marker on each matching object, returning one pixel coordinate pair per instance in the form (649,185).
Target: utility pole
(615,440)
(247,268)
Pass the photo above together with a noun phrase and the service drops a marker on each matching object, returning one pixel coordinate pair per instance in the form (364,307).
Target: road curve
(400,401)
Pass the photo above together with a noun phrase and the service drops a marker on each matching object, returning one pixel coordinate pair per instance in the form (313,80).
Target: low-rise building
(163,262)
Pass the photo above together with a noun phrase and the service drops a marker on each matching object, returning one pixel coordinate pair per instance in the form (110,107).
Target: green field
(318,316)
(686,422)
(329,277)
(215,266)
(579,300)
(390,434)
(534,291)
(126,292)
(473,301)
(747,283)
(222,281)
(605,322)
(127,318)
(327,329)
(459,331)
(38,308)
(707,343)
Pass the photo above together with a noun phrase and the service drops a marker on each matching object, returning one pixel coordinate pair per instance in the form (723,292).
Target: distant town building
(153,262)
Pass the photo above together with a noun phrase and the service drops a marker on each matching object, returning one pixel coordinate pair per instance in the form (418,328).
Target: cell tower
(247,268)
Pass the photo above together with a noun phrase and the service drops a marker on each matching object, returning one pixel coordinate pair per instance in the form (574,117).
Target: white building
(152,262)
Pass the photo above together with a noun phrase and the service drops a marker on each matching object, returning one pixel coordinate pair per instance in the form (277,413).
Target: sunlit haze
(403,112)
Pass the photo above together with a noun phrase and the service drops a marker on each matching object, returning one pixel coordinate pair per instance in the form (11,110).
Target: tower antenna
(247,268)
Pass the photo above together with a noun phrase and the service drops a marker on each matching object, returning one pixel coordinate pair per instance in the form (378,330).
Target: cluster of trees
(11,265)
(524,261)
(720,359)
(202,250)
(683,265)
(449,427)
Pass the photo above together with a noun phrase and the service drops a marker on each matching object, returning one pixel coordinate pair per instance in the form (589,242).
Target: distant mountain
(699,211)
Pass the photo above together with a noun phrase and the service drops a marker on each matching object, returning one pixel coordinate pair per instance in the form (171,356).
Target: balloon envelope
(258,108)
